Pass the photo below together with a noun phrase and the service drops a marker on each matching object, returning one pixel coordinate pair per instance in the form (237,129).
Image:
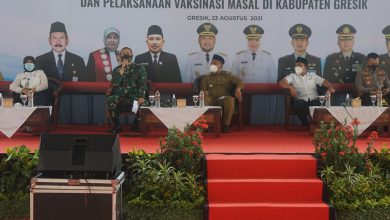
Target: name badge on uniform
(198,64)
(244,62)
(75,78)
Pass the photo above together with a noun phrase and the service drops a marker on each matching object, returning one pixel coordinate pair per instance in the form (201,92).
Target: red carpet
(264,187)
(250,140)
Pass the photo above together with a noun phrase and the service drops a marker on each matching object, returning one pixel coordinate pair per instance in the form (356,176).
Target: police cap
(300,31)
(386,32)
(253,31)
(207,29)
(346,32)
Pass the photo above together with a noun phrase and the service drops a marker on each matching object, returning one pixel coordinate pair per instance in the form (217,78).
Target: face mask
(298,70)
(29,67)
(126,57)
(372,67)
(213,68)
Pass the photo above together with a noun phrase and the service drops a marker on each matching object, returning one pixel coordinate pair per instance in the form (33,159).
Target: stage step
(269,211)
(264,186)
(271,190)
(221,166)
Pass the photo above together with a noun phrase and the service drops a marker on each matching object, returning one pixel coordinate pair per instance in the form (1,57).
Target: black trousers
(301,109)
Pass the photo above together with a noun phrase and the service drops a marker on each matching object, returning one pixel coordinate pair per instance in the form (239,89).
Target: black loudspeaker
(92,156)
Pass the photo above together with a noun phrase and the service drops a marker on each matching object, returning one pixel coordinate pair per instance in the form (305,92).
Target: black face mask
(126,57)
(372,67)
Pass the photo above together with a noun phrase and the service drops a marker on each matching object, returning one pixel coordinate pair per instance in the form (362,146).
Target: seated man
(371,80)
(217,86)
(303,89)
(31,80)
(128,84)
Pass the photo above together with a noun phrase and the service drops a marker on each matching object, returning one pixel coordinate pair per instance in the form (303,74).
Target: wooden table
(149,120)
(323,115)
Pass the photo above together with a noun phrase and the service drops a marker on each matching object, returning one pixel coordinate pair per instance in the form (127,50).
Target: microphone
(345,108)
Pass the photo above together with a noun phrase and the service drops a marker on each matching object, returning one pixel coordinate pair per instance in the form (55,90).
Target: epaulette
(240,52)
(266,52)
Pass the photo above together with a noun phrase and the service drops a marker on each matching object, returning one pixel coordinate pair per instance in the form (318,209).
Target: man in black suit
(60,63)
(160,66)
(300,34)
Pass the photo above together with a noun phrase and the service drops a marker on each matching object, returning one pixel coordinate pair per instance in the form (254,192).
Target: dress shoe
(116,130)
(225,129)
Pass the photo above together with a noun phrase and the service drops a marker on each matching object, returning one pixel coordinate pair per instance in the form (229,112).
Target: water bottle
(1,100)
(327,99)
(201,99)
(157,98)
(347,101)
(30,99)
(379,98)
(174,104)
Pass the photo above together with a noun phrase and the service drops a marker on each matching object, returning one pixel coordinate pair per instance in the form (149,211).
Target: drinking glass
(151,99)
(195,98)
(373,100)
(23,97)
(322,99)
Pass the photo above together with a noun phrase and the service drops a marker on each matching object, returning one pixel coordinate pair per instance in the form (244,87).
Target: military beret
(300,31)
(58,27)
(207,29)
(253,32)
(110,30)
(219,58)
(155,29)
(346,32)
(386,32)
(301,60)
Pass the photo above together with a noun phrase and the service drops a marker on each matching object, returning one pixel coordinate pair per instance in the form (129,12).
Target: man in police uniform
(254,64)
(384,59)
(102,61)
(128,84)
(371,80)
(160,65)
(198,63)
(60,63)
(300,35)
(218,85)
(342,67)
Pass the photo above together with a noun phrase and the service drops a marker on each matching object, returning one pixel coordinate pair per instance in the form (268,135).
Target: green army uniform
(341,68)
(221,85)
(384,59)
(125,89)
(286,64)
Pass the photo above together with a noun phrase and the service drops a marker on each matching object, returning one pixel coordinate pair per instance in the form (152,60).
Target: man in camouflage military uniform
(384,59)
(300,35)
(342,67)
(371,80)
(128,84)
(254,65)
(198,63)
(218,86)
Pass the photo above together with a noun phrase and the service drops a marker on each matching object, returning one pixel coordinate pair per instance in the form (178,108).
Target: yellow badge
(299,29)
(207,27)
(346,30)
(253,29)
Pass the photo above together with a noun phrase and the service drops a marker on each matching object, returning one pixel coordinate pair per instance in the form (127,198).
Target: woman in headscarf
(31,80)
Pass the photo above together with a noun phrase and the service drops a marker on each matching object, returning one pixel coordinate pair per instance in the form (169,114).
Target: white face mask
(213,68)
(298,70)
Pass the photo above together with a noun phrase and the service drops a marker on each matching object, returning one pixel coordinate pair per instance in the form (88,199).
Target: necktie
(253,56)
(155,59)
(347,59)
(60,66)
(207,57)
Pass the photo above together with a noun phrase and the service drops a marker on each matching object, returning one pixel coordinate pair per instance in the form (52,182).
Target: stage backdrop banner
(25,25)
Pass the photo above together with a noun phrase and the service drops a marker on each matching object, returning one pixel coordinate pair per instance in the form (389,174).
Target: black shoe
(225,129)
(116,130)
